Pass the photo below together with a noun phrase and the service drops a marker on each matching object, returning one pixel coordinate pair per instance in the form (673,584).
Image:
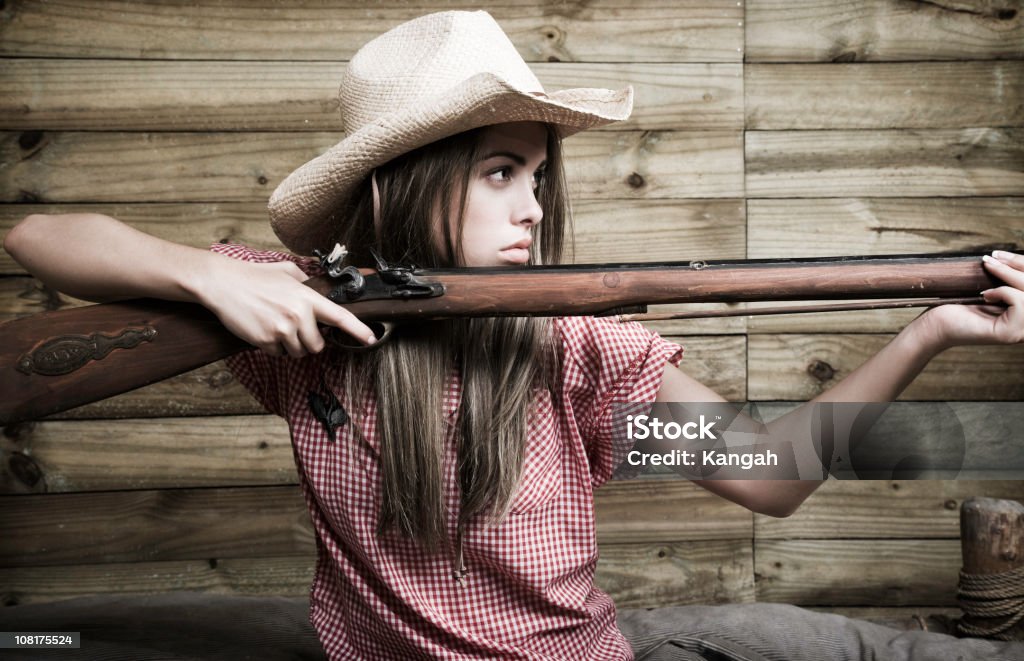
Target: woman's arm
(880,379)
(98,258)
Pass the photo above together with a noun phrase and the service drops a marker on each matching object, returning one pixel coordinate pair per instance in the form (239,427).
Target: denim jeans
(779,632)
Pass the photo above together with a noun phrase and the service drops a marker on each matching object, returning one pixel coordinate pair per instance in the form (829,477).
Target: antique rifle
(54,361)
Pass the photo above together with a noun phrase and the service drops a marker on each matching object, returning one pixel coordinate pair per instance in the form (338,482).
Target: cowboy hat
(427,79)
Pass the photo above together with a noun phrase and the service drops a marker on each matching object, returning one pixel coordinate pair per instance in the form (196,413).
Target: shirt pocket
(541,480)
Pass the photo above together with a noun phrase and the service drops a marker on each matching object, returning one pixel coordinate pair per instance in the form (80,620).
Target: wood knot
(264,445)
(950,504)
(821,370)
(29,139)
(611,280)
(25,469)
(19,432)
(1006,14)
(220,378)
(262,180)
(635,180)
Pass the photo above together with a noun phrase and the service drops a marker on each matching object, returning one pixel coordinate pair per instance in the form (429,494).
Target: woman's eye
(501,174)
(538,178)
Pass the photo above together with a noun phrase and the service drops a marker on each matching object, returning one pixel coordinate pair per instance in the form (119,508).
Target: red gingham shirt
(529,592)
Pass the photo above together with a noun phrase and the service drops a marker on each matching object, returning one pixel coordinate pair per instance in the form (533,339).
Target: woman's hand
(268,306)
(954,325)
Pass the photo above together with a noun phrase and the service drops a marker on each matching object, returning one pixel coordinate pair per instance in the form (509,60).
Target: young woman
(452,497)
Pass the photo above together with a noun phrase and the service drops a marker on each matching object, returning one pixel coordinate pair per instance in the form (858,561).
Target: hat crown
(423,58)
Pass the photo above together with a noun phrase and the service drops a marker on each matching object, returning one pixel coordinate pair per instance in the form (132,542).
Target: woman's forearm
(879,379)
(98,258)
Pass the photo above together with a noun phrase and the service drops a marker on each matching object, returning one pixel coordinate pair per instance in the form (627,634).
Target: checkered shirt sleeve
(609,364)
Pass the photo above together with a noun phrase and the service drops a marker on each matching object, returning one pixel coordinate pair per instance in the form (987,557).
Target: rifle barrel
(57,360)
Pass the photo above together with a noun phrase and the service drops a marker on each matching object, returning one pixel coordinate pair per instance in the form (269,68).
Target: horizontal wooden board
(882,226)
(607,31)
(874,509)
(800,367)
(287,576)
(852,572)
(896,163)
(45,167)
(665,509)
(634,575)
(673,574)
(154,453)
(883,95)
(879,30)
(137,526)
(606,231)
(112,95)
(249,522)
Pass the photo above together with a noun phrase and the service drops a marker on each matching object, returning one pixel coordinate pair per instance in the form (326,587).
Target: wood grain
(137,526)
(851,572)
(636,575)
(275,576)
(883,95)
(644,31)
(800,367)
(877,163)
(246,167)
(608,231)
(873,509)
(123,95)
(881,30)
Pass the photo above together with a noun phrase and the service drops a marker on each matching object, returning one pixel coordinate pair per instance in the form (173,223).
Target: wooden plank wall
(762,129)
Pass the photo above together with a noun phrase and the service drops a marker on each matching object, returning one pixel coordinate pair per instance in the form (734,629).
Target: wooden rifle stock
(54,361)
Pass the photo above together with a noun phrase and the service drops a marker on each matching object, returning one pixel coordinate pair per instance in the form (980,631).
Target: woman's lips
(519,252)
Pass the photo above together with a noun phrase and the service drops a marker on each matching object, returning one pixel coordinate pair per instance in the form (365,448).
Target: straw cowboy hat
(427,79)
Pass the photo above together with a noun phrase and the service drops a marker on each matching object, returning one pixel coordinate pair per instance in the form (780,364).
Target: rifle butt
(55,361)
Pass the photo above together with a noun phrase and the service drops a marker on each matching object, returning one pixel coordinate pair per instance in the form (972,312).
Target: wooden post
(992,542)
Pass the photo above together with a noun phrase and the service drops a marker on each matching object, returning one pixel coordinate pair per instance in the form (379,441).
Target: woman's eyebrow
(507,154)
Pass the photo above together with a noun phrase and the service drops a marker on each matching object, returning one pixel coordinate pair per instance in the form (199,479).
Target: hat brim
(303,207)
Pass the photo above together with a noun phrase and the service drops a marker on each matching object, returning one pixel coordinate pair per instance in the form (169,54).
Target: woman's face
(502,206)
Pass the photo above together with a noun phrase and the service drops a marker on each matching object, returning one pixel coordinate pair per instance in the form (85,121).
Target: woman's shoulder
(586,334)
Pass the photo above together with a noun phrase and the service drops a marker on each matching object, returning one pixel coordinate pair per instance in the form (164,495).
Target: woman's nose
(530,212)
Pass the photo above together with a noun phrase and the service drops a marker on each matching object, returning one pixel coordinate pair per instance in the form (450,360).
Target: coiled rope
(991,596)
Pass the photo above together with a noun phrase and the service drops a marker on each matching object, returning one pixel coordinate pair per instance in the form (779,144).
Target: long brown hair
(501,362)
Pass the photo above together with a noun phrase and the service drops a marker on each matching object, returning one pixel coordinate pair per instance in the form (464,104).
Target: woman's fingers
(337,316)
(1011,323)
(1006,266)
